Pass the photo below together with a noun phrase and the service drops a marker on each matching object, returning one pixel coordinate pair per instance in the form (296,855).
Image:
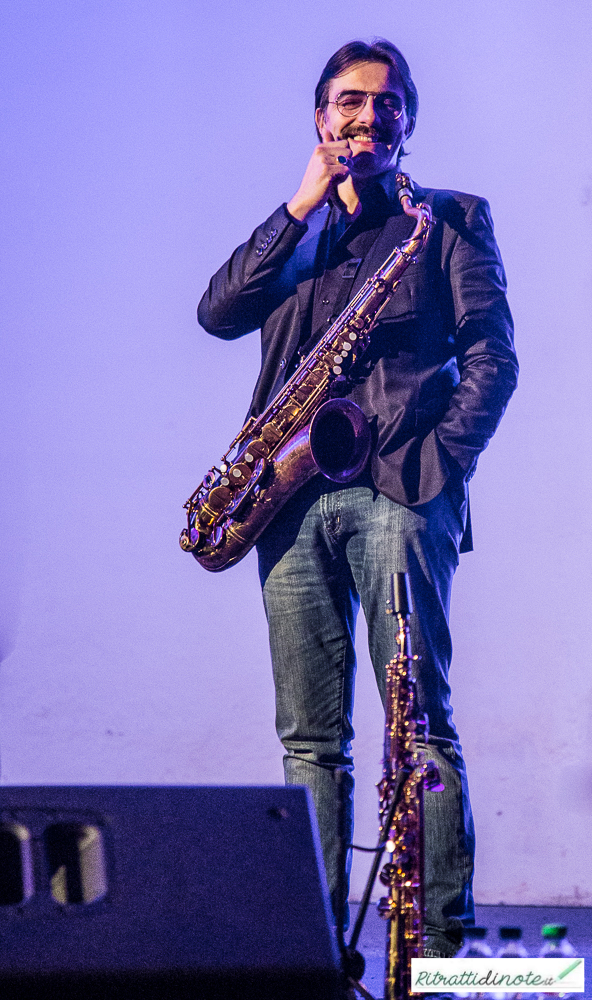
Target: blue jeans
(327,550)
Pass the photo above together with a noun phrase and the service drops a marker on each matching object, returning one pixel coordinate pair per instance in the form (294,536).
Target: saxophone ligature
(306,429)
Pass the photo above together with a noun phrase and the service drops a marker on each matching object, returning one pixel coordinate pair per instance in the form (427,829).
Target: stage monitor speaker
(122,893)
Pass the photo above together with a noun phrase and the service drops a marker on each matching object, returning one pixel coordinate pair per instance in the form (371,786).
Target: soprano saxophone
(406,772)
(303,430)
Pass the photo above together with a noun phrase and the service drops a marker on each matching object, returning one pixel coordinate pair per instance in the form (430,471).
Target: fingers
(329,164)
(331,160)
(337,151)
(344,158)
(342,146)
(326,135)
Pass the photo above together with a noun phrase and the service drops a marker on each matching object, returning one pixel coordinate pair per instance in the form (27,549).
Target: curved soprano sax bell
(303,431)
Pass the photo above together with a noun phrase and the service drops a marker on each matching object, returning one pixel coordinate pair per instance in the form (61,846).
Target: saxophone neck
(421,213)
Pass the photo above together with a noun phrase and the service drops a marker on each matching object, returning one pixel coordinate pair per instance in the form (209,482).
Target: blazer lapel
(306,256)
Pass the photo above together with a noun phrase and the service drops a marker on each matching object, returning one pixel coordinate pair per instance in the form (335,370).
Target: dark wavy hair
(378,50)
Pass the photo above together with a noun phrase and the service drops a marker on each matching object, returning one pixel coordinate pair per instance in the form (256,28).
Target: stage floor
(529,918)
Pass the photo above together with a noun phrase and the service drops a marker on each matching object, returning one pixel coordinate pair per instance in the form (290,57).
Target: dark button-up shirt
(441,364)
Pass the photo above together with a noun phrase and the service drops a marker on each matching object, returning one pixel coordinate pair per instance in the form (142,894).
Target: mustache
(377,135)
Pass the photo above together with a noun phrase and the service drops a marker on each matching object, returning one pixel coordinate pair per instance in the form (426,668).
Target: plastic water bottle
(474,947)
(555,945)
(510,947)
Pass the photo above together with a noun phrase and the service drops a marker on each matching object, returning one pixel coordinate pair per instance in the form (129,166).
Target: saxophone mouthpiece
(400,602)
(404,186)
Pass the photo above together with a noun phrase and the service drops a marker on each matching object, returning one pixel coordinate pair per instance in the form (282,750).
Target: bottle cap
(554,931)
(510,933)
(475,933)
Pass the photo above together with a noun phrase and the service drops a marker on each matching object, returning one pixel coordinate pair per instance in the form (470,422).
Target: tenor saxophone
(406,773)
(303,431)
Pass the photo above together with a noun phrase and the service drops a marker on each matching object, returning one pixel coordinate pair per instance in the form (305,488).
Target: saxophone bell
(307,428)
(340,440)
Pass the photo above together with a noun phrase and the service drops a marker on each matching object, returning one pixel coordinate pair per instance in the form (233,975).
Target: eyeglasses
(351,102)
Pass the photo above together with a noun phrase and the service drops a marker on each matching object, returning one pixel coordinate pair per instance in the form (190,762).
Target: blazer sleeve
(237,300)
(486,358)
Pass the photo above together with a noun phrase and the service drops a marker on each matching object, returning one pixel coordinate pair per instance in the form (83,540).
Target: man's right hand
(323,172)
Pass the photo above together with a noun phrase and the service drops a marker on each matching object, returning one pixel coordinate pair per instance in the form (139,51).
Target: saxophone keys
(406,867)
(256,449)
(219,497)
(216,537)
(386,907)
(211,508)
(188,539)
(387,874)
(239,474)
(205,519)
(271,433)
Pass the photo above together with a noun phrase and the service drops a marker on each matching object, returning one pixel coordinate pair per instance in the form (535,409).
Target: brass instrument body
(277,452)
(403,907)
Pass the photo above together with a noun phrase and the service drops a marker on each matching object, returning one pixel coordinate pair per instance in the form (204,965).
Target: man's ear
(409,127)
(320,123)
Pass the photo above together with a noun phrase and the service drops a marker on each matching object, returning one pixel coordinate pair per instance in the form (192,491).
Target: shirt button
(283,363)
(325,302)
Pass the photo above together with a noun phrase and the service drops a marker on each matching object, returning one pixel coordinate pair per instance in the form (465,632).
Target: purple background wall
(143,141)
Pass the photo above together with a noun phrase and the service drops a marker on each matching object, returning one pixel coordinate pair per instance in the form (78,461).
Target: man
(436,380)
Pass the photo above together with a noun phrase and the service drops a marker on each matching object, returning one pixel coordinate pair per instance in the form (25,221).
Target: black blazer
(441,365)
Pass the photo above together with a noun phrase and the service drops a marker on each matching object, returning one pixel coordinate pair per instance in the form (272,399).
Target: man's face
(374,134)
